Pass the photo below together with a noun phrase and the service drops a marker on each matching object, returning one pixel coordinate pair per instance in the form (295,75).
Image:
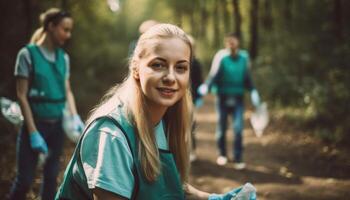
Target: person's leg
(238,123)
(54,137)
(26,164)
(221,125)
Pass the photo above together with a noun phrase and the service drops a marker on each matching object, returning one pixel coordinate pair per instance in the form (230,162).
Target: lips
(167,92)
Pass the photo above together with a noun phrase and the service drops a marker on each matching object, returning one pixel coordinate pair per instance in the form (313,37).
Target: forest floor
(286,163)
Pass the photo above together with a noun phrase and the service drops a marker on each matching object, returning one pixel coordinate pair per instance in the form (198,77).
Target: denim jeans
(225,106)
(27,161)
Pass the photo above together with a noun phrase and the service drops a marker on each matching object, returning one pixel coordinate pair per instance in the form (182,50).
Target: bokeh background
(300,51)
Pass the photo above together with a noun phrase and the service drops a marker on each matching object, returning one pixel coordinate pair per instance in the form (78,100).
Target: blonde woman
(137,143)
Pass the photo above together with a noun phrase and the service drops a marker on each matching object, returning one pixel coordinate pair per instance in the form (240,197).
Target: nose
(169,77)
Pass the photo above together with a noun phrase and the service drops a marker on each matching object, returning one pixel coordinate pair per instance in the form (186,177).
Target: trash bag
(259,119)
(11,111)
(69,126)
(247,192)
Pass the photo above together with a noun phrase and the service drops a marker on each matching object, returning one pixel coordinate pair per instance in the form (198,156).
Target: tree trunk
(267,17)
(64,5)
(254,29)
(225,14)
(216,23)
(338,19)
(236,17)
(204,18)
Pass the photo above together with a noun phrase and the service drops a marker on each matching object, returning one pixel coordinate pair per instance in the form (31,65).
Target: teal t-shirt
(107,159)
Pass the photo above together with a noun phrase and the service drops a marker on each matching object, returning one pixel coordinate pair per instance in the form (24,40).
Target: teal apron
(166,187)
(230,78)
(47,91)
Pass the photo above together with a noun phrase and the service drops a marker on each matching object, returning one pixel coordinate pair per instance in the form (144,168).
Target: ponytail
(37,35)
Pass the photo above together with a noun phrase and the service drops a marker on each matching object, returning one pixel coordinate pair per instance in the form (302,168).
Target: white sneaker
(221,160)
(239,166)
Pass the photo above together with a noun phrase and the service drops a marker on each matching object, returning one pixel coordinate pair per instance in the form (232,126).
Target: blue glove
(38,143)
(78,123)
(254,95)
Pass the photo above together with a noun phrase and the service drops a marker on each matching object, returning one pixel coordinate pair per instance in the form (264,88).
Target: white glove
(254,95)
(203,89)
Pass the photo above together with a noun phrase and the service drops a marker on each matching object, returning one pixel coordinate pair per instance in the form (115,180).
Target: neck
(156,113)
(47,43)
(234,52)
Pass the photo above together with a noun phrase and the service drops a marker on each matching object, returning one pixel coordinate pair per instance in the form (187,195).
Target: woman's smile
(166,92)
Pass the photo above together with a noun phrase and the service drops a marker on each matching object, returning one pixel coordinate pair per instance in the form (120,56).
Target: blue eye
(157,65)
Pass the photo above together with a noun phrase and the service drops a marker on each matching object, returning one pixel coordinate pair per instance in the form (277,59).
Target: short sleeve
(23,63)
(107,159)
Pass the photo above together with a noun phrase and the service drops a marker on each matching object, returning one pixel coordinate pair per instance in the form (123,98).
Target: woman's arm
(100,194)
(22,91)
(70,99)
(192,192)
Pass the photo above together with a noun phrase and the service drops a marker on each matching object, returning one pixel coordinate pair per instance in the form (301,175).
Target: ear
(135,73)
(50,26)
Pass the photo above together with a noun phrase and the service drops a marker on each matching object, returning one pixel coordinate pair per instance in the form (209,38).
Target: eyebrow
(164,60)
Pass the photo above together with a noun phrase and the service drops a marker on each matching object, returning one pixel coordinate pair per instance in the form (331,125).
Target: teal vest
(47,91)
(167,186)
(231,75)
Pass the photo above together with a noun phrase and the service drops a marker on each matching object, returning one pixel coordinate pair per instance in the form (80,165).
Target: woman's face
(163,72)
(62,31)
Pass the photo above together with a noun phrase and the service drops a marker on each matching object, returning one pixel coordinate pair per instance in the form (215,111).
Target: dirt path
(283,164)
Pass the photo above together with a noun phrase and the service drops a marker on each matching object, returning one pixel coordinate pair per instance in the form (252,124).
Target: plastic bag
(69,127)
(247,192)
(11,111)
(259,119)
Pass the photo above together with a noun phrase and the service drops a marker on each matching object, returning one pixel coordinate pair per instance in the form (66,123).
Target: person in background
(196,81)
(43,89)
(144,26)
(137,142)
(230,73)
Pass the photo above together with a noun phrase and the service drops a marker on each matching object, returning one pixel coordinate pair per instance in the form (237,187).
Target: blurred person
(43,88)
(230,72)
(196,81)
(136,145)
(144,26)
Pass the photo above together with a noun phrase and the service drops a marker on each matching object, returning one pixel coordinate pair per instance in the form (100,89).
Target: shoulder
(63,53)
(244,53)
(23,52)
(222,52)
(104,125)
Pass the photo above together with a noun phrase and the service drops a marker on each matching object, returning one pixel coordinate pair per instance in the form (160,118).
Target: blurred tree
(236,17)
(254,29)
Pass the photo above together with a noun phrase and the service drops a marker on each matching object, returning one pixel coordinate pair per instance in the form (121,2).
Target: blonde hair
(52,15)
(177,118)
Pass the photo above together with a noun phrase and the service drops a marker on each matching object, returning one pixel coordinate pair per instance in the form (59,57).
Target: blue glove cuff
(215,197)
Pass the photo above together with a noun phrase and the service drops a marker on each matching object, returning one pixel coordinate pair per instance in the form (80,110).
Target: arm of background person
(215,66)
(22,91)
(70,99)
(194,193)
